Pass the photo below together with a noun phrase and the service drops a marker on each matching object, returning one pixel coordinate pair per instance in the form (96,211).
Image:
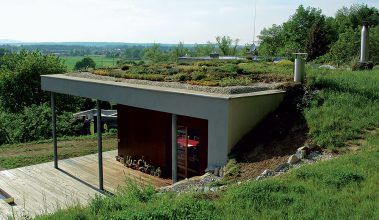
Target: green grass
(25,154)
(345,106)
(343,188)
(101,61)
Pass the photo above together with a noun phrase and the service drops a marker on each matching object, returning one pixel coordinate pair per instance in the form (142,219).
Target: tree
(318,41)
(271,41)
(204,49)
(20,82)
(20,78)
(308,30)
(374,44)
(85,63)
(179,51)
(227,45)
(155,54)
(345,49)
(354,16)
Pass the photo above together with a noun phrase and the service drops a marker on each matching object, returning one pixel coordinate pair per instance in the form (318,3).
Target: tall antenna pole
(255,18)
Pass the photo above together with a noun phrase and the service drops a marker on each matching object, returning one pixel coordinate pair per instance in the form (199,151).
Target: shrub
(85,63)
(181,77)
(286,63)
(34,123)
(125,67)
(197,75)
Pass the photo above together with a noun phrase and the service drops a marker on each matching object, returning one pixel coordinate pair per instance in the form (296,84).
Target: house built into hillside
(182,131)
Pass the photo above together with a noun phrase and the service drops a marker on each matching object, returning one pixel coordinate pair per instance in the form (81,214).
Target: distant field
(101,61)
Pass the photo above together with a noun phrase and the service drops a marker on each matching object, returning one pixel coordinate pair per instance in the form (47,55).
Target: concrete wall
(246,112)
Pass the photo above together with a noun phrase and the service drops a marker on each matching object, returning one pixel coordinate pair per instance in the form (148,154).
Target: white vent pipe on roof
(364,44)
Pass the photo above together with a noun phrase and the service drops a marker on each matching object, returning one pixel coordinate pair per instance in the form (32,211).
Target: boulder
(293,159)
(302,152)
(284,167)
(265,174)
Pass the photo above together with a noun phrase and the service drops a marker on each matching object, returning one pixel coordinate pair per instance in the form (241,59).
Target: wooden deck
(42,189)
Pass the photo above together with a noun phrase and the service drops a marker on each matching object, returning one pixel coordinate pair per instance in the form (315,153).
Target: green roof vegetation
(206,73)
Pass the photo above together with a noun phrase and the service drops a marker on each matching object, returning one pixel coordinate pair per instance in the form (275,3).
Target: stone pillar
(99,145)
(174,152)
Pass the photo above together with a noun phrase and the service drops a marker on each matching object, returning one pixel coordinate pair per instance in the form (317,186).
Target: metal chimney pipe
(364,44)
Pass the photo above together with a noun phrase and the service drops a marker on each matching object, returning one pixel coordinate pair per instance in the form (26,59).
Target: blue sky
(142,21)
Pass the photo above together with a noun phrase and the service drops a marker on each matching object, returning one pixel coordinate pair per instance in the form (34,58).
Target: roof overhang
(172,100)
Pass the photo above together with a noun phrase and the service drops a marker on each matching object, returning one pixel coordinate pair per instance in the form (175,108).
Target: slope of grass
(344,106)
(25,154)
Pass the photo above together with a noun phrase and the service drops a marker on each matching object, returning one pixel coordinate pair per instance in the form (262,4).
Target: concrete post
(364,44)
(299,71)
(99,145)
(174,150)
(53,129)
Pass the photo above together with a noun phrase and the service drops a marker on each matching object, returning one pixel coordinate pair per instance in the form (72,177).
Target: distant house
(182,131)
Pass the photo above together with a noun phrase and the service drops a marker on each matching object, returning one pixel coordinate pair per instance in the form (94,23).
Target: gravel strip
(177,85)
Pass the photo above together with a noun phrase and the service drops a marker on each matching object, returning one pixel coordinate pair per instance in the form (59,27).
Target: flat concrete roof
(169,87)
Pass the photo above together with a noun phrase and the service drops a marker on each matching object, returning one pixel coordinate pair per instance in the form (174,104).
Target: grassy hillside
(341,106)
(101,61)
(344,105)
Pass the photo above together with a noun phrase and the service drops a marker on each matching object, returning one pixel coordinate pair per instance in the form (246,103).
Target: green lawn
(344,106)
(101,61)
(25,154)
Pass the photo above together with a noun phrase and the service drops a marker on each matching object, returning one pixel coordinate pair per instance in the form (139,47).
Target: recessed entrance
(192,146)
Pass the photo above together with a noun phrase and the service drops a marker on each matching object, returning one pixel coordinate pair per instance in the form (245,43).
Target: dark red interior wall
(202,126)
(147,133)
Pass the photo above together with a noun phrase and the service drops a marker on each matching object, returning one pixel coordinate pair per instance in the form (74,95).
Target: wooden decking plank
(76,180)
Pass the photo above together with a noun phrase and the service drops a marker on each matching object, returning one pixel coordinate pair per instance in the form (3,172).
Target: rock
(293,159)
(265,174)
(282,168)
(302,152)
(330,67)
(314,155)
(311,146)
(216,171)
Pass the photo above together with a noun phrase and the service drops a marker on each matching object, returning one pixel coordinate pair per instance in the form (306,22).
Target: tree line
(325,39)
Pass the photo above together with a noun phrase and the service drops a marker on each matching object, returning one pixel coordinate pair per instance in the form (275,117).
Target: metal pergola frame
(99,139)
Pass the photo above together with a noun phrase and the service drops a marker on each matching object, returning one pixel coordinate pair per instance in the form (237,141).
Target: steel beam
(99,145)
(53,130)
